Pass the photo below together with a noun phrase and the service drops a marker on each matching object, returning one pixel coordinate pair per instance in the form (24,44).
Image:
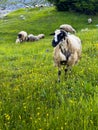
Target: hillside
(30,96)
(42,21)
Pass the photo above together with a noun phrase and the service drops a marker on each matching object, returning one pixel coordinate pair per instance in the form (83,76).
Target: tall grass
(30,96)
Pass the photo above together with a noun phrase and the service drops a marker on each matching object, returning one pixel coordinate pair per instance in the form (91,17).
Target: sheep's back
(75,42)
(23,33)
(67,28)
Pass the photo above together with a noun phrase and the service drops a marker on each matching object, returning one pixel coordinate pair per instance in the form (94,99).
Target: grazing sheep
(89,20)
(67,50)
(22,17)
(22,37)
(67,28)
(40,36)
(36,6)
(32,38)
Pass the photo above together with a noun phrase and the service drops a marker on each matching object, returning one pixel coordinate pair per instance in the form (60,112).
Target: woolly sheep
(22,37)
(67,28)
(22,17)
(32,38)
(89,20)
(67,50)
(40,36)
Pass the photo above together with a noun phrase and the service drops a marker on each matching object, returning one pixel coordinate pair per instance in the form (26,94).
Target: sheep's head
(19,35)
(59,35)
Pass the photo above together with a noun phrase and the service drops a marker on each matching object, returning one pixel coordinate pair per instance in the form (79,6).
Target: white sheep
(22,37)
(32,38)
(89,20)
(67,28)
(67,50)
(22,17)
(40,36)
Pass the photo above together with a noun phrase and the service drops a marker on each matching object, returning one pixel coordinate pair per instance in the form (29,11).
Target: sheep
(38,6)
(40,36)
(32,38)
(22,37)
(67,28)
(89,20)
(22,17)
(67,50)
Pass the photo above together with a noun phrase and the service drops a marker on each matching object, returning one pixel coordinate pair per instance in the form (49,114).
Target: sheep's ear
(52,34)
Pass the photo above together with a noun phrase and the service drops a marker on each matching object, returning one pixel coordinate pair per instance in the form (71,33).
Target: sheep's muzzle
(54,44)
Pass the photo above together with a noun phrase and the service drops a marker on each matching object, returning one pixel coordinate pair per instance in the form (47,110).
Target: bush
(82,6)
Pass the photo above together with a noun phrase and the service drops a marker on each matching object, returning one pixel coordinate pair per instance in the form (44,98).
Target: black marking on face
(19,35)
(58,36)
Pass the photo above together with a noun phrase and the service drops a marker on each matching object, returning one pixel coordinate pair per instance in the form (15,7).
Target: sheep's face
(59,35)
(19,35)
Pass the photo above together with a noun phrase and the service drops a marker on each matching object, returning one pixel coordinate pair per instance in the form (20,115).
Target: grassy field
(30,97)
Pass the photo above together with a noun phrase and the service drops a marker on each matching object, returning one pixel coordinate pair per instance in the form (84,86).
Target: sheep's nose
(54,43)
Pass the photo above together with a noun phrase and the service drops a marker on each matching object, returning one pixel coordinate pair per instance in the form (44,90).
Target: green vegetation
(30,96)
(82,6)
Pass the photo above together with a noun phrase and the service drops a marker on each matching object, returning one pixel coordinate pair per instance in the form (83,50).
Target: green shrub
(82,6)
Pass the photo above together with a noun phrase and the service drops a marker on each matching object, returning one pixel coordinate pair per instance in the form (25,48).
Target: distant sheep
(40,36)
(67,28)
(37,6)
(89,20)
(67,50)
(22,37)
(32,38)
(22,17)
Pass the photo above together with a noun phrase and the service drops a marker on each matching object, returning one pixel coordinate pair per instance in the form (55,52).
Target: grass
(30,97)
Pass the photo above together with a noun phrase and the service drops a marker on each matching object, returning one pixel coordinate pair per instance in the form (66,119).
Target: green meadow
(30,96)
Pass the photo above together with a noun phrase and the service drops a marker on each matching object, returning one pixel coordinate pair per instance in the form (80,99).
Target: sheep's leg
(59,74)
(67,69)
